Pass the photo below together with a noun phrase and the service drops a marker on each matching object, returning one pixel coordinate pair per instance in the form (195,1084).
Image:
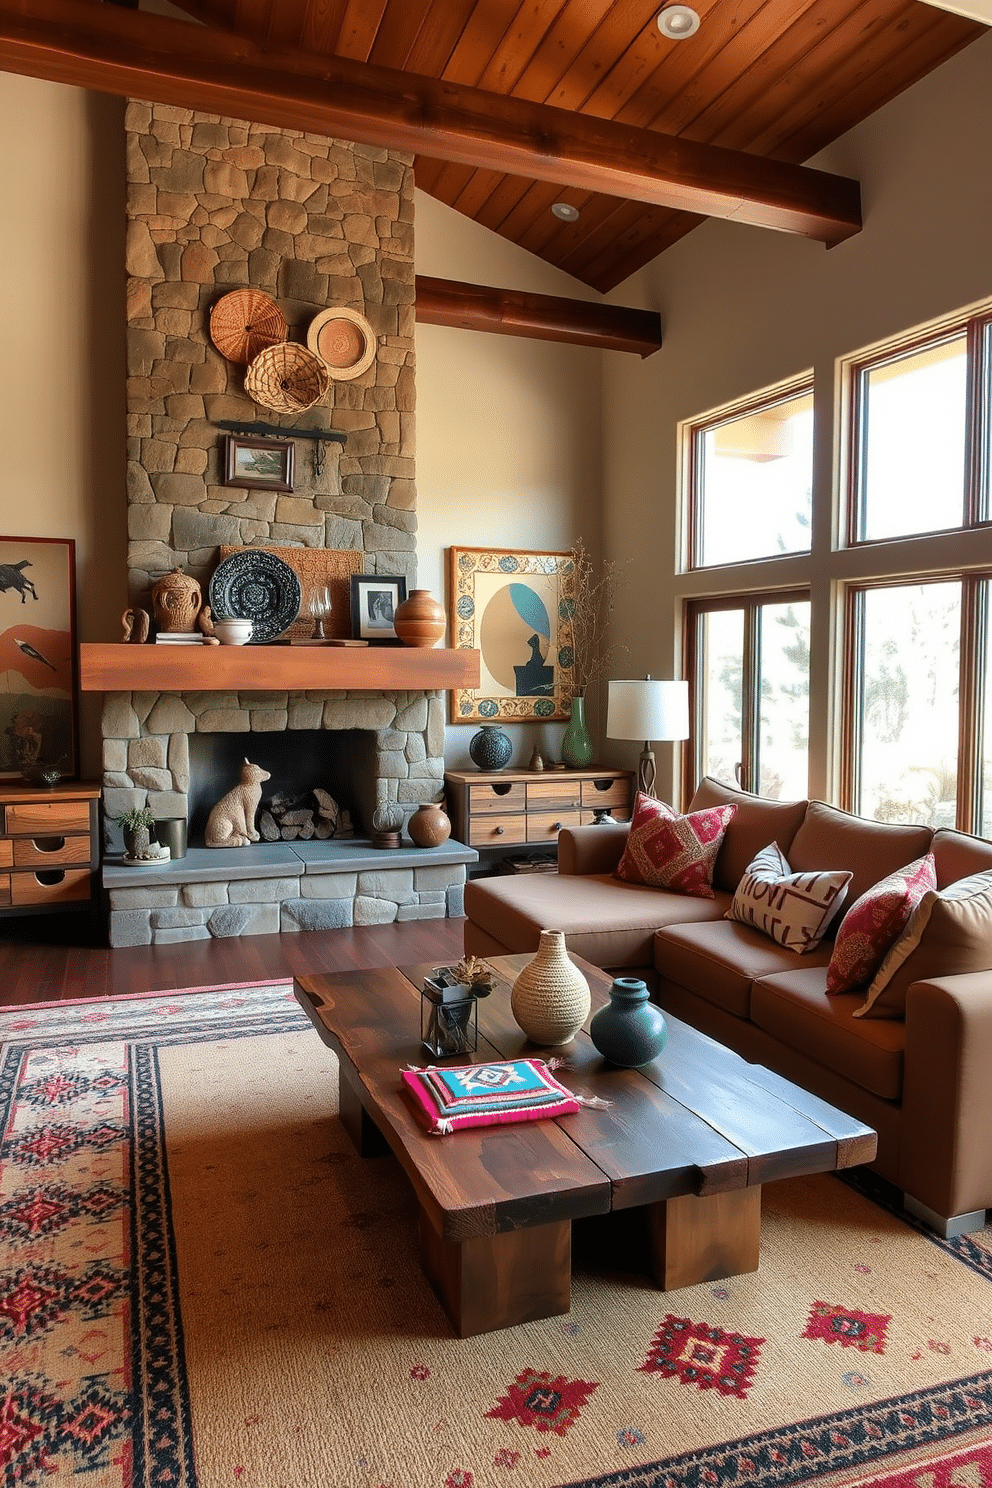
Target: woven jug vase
(550,998)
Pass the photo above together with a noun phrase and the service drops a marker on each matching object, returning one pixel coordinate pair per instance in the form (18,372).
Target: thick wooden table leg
(366,1136)
(704,1239)
(497,1281)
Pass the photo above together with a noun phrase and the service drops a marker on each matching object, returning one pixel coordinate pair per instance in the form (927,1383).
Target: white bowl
(233,632)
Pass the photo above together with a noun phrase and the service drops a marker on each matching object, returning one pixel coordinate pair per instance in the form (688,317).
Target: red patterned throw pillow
(668,851)
(874,923)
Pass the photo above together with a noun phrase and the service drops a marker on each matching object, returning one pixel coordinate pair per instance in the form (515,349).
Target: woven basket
(286,378)
(244,323)
(344,341)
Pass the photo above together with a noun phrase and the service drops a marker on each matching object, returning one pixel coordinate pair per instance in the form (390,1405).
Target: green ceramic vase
(576,745)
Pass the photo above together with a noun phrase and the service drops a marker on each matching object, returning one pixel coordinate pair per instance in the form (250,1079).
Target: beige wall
(744,309)
(508,429)
(62,368)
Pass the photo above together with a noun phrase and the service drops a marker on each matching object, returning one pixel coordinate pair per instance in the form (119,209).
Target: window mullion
(971,704)
(854,677)
(976,433)
(751,699)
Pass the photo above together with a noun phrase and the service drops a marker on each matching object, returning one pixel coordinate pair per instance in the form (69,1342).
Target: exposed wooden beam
(166,61)
(513,312)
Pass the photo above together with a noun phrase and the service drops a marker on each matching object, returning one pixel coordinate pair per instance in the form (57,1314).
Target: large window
(836,602)
(905,669)
(749,661)
(911,441)
(752,477)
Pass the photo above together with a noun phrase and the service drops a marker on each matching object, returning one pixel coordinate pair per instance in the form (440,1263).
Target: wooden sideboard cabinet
(49,846)
(518,808)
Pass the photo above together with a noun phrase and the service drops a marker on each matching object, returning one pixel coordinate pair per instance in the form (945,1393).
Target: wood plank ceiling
(775,78)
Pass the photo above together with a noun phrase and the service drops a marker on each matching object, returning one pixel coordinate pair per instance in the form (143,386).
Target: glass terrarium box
(449,1015)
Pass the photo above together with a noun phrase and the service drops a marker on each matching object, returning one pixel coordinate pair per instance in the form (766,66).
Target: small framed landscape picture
(258,464)
(374,598)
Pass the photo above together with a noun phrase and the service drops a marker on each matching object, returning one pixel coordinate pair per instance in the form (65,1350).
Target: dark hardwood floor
(50,958)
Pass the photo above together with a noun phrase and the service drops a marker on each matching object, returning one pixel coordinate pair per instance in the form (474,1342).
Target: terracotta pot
(429,826)
(550,998)
(419,619)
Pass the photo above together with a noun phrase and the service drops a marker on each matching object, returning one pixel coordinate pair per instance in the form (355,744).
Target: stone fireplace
(272,887)
(214,205)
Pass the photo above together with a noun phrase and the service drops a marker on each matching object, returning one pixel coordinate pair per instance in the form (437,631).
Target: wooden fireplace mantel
(150,668)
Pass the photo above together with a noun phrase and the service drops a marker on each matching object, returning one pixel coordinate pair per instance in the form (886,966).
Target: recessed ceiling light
(565,212)
(677,22)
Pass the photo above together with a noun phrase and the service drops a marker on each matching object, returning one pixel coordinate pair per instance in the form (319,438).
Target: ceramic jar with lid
(176,600)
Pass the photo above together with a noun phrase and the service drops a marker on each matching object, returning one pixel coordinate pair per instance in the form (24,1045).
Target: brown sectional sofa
(924,1083)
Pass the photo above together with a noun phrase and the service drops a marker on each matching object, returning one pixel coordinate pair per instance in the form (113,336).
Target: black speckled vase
(490,748)
(630,1030)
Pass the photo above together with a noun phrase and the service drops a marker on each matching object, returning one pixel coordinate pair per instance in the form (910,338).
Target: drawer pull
(503,788)
(556,826)
(49,877)
(49,844)
(498,831)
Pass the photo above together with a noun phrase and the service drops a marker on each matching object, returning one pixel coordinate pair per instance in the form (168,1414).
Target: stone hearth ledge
(221,892)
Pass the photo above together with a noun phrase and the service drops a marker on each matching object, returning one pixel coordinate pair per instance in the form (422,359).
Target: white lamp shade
(645,709)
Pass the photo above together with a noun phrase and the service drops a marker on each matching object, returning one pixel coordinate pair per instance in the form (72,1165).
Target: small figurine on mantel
(135,624)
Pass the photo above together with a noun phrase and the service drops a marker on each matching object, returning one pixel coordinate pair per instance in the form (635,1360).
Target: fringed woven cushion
(486,1094)
(668,851)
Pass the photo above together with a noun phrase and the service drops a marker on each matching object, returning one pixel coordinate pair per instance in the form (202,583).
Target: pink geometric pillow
(875,921)
(668,851)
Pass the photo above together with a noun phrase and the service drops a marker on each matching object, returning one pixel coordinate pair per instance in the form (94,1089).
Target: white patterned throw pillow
(794,909)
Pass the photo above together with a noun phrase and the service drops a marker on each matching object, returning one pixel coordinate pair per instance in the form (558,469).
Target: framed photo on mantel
(374,601)
(38,682)
(515,607)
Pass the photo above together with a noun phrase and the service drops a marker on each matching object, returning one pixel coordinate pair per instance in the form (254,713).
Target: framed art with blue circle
(514,607)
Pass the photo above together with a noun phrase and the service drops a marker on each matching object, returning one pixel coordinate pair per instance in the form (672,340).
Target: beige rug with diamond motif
(201,1283)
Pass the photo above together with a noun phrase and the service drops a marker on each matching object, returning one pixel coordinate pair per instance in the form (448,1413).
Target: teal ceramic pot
(490,748)
(630,1030)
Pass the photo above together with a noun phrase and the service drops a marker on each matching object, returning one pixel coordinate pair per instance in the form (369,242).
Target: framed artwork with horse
(38,680)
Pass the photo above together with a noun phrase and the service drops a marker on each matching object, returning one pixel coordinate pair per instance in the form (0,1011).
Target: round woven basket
(344,341)
(286,378)
(245,322)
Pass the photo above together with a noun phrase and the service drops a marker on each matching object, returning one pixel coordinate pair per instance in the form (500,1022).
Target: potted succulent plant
(136,824)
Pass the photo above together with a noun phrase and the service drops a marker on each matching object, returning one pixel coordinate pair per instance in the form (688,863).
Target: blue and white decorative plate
(255,585)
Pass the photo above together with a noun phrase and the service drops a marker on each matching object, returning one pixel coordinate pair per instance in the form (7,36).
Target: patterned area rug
(202,1284)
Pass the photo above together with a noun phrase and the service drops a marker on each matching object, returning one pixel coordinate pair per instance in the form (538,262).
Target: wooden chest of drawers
(515,808)
(49,846)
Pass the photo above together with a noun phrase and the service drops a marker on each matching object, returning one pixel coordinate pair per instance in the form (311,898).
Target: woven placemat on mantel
(331,566)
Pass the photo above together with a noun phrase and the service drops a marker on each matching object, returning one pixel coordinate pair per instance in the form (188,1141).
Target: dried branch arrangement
(595,598)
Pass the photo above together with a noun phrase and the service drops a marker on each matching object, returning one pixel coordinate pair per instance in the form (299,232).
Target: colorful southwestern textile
(487,1094)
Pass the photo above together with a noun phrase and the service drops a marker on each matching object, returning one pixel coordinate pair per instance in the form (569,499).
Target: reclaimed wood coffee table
(690,1138)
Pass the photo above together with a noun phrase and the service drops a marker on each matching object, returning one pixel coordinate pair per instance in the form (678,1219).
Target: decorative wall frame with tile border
(516,608)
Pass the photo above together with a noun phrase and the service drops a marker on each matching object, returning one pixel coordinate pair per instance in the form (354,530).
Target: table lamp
(644,709)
